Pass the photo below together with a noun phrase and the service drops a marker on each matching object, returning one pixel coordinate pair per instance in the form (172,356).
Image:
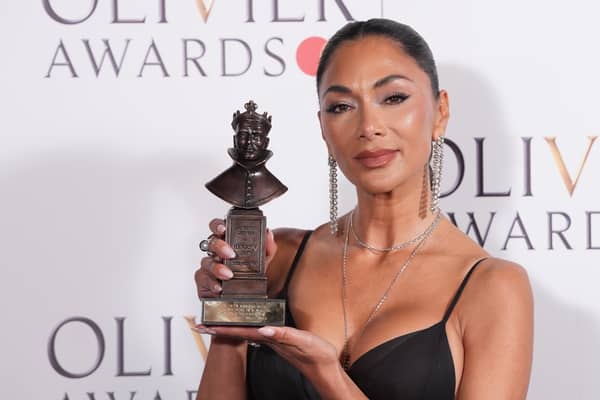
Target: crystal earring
(425,189)
(333,195)
(437,156)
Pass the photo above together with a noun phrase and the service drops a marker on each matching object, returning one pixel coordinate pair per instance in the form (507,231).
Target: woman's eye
(338,108)
(395,98)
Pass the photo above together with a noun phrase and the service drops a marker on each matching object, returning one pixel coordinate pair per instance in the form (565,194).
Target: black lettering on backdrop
(117,19)
(480,176)
(280,60)
(97,66)
(250,8)
(111,395)
(162,11)
(167,345)
(460,164)
(52,348)
(341,6)
(526,166)
(588,215)
(66,63)
(473,225)
(277,18)
(121,352)
(560,233)
(224,42)
(187,58)
(54,15)
(523,235)
(158,60)
(191,394)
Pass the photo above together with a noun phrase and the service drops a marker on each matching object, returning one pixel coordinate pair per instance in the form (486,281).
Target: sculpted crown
(252,118)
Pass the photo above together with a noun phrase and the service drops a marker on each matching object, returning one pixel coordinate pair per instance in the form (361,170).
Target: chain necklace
(345,356)
(398,246)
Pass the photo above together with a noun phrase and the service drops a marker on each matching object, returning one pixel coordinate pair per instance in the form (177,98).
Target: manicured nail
(226,273)
(204,331)
(221,229)
(217,288)
(266,331)
(229,253)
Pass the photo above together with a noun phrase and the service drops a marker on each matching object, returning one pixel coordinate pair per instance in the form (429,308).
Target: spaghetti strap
(460,290)
(295,262)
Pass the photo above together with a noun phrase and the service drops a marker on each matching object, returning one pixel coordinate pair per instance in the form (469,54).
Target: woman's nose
(370,124)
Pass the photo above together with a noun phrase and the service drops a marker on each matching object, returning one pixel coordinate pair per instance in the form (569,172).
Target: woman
(397,303)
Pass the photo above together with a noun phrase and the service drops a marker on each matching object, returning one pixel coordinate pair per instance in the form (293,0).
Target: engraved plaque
(246,313)
(245,235)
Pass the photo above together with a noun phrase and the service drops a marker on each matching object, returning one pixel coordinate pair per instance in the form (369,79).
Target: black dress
(417,365)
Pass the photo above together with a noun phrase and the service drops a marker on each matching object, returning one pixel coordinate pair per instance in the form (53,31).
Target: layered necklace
(398,246)
(419,240)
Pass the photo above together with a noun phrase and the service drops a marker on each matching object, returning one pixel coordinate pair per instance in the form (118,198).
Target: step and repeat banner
(114,113)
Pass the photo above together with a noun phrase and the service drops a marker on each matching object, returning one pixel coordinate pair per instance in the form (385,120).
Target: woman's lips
(376,158)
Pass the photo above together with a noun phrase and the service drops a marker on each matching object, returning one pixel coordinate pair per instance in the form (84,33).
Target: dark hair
(410,41)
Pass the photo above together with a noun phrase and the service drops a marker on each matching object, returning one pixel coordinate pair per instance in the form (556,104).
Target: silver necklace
(345,356)
(398,246)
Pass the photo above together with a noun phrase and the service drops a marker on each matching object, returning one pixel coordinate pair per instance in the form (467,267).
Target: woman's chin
(377,187)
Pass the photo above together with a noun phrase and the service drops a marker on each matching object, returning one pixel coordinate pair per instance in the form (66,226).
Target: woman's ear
(320,123)
(442,114)
(322,134)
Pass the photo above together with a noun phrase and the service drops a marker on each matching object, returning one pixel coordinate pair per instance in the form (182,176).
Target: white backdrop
(102,175)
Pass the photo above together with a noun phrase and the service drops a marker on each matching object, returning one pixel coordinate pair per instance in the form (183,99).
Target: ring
(205,245)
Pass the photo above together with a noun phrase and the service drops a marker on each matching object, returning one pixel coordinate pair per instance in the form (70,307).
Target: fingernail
(217,288)
(270,233)
(229,253)
(204,331)
(266,331)
(227,274)
(221,229)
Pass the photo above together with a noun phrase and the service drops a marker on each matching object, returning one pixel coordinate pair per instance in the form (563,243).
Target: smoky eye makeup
(337,108)
(396,97)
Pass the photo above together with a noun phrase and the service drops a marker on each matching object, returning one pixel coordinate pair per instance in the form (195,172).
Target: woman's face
(378,115)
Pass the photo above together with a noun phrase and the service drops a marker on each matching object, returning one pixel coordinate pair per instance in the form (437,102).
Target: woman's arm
(224,375)
(225,369)
(497,324)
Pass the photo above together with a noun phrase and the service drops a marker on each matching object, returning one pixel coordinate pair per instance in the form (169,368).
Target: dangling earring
(437,156)
(333,195)
(425,189)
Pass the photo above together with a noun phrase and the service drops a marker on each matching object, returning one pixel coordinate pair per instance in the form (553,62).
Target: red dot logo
(308,53)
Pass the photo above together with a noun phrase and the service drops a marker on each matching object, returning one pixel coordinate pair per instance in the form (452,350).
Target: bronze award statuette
(246,185)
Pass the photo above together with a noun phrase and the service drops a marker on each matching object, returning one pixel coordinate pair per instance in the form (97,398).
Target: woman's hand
(212,268)
(313,356)
(302,349)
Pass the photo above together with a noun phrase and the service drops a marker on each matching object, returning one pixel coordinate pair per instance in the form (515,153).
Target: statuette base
(243,312)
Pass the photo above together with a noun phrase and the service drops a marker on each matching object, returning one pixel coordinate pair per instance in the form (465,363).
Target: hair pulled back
(410,41)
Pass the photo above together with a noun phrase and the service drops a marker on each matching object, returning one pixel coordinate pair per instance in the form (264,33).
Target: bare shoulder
(499,293)
(497,276)
(496,320)
(288,240)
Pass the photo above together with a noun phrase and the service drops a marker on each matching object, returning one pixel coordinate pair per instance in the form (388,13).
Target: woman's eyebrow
(381,82)
(337,89)
(390,78)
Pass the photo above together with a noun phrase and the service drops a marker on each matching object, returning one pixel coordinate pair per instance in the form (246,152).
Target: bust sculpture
(247,183)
